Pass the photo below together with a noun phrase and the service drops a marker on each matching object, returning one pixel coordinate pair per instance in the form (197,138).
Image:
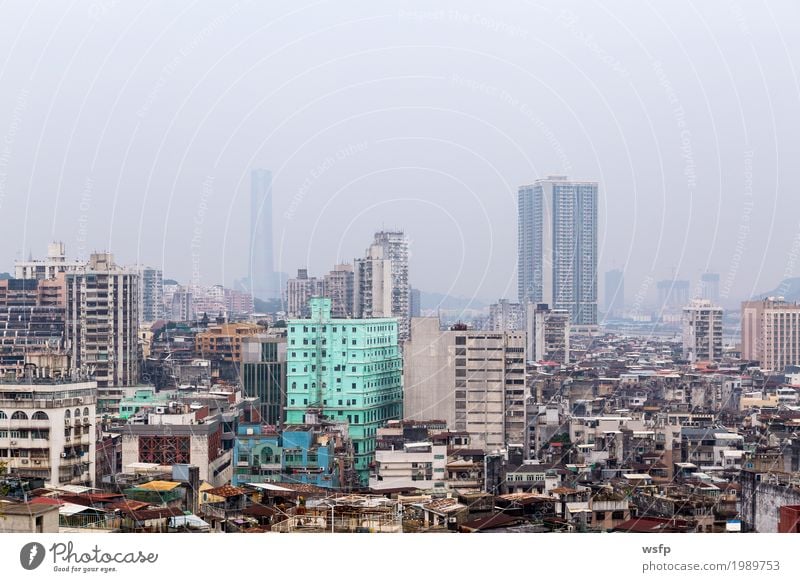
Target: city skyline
(339,130)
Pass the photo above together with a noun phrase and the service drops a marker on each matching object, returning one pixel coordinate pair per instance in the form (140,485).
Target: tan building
(225,341)
(474,380)
(771,333)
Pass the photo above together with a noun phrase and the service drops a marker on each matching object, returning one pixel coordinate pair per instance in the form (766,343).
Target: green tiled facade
(351,369)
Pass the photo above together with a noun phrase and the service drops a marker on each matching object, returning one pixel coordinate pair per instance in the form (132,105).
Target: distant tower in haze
(709,287)
(615,293)
(262,273)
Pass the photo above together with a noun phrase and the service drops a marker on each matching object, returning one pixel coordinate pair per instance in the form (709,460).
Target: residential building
(506,316)
(102,323)
(224,341)
(338,286)
(548,333)
(472,380)
(415,466)
(702,331)
(395,248)
(298,292)
(771,333)
(257,454)
(557,246)
(47,429)
(372,291)
(263,373)
(348,370)
(55,264)
(181,304)
(151,292)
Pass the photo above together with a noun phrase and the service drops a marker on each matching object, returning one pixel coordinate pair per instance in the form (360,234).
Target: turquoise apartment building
(351,370)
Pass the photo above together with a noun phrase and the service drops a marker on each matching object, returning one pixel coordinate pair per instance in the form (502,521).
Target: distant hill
(5,276)
(789,289)
(430,300)
(170,282)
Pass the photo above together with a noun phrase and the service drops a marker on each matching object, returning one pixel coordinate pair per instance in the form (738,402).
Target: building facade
(338,286)
(264,375)
(372,291)
(47,430)
(49,268)
(102,321)
(348,370)
(506,316)
(298,292)
(557,246)
(702,331)
(395,248)
(151,291)
(547,333)
(473,380)
(771,333)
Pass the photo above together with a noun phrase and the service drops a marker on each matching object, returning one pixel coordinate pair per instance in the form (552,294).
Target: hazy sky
(133,126)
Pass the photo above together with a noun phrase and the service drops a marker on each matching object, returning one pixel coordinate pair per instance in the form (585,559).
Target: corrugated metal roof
(159,485)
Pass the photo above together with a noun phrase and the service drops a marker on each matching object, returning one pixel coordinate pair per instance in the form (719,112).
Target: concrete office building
(702,332)
(346,370)
(771,333)
(547,333)
(473,380)
(372,292)
(415,303)
(47,430)
(102,322)
(557,246)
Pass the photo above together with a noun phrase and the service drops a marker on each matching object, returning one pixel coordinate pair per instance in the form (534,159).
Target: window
(19,415)
(39,415)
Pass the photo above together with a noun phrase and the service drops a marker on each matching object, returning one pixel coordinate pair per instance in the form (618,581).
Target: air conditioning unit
(67,422)
(63,455)
(80,400)
(37,462)
(24,461)
(13,443)
(86,422)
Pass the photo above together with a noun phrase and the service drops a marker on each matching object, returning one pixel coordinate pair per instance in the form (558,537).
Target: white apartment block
(102,323)
(47,268)
(418,465)
(47,430)
(702,332)
(372,290)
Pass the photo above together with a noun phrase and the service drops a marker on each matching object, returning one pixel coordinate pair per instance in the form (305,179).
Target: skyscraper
(615,293)
(557,246)
(395,248)
(262,274)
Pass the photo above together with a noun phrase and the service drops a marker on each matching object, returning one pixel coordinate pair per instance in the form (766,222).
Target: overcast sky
(133,127)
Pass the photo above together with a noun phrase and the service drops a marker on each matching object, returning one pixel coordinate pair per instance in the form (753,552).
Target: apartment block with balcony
(348,370)
(47,430)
